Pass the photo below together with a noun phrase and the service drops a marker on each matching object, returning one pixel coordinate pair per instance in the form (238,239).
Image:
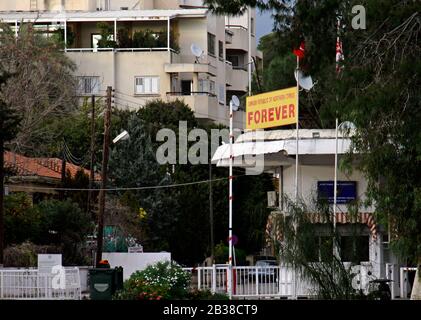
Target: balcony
(201,103)
(239,80)
(239,39)
(190,68)
(228,36)
(228,73)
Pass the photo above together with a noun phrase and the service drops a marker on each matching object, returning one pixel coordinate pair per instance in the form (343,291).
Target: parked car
(266,271)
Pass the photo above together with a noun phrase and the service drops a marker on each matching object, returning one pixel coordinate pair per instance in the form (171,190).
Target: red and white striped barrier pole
(230,203)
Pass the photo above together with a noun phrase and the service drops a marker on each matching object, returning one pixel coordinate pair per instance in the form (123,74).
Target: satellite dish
(347,125)
(235,103)
(305,82)
(197,51)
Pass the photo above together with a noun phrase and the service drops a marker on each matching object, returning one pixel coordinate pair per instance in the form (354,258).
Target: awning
(284,147)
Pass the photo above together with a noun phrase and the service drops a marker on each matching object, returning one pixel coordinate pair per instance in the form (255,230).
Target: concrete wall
(119,70)
(132,262)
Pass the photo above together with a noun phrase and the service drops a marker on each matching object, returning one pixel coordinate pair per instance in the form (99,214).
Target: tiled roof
(42,167)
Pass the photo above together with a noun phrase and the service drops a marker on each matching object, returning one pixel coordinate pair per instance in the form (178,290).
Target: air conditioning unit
(273,199)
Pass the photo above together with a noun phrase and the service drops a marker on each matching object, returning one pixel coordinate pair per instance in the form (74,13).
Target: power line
(129,189)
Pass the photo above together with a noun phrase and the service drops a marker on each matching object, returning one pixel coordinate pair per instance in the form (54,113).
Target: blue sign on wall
(346,191)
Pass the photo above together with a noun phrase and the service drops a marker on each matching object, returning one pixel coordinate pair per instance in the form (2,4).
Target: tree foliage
(40,85)
(177,219)
(378,90)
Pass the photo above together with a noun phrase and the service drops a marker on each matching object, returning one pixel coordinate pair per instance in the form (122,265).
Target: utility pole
(63,172)
(1,197)
(92,173)
(105,156)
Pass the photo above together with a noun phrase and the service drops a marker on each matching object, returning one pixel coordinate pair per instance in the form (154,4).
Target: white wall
(132,262)
(308,176)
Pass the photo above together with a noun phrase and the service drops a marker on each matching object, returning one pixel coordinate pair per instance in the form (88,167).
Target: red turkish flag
(300,52)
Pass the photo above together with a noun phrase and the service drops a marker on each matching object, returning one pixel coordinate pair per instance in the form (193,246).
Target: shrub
(64,224)
(164,280)
(25,255)
(21,222)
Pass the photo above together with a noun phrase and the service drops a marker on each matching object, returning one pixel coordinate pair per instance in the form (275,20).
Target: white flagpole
(294,287)
(335,183)
(297,132)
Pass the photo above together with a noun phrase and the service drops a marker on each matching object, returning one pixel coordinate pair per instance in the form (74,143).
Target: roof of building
(312,142)
(119,15)
(40,167)
(291,134)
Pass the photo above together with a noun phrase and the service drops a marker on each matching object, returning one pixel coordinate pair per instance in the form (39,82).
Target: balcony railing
(193,93)
(119,49)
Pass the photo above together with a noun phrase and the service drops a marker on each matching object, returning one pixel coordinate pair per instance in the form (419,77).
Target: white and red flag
(339,49)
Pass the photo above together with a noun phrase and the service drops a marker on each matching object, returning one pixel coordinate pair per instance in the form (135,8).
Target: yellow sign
(272,109)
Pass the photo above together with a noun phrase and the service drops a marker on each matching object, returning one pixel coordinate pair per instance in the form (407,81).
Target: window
(211,44)
(319,250)
(211,87)
(235,60)
(207,86)
(88,85)
(222,94)
(355,248)
(147,85)
(221,50)
(186,87)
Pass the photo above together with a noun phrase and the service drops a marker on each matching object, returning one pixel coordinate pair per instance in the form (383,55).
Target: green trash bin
(105,282)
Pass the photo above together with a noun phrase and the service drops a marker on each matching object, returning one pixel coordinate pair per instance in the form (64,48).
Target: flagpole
(294,287)
(297,133)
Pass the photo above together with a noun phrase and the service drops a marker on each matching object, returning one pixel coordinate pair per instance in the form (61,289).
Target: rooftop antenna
(197,52)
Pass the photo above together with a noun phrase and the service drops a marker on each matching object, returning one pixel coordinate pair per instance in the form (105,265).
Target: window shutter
(155,85)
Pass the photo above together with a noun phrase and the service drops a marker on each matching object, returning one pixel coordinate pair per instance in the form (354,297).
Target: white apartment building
(150,54)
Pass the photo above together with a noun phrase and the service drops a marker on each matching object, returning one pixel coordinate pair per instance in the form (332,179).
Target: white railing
(29,284)
(270,281)
(405,285)
(285,282)
(118,49)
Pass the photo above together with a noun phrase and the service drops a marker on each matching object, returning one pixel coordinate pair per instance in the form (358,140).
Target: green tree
(63,223)
(378,90)
(22,223)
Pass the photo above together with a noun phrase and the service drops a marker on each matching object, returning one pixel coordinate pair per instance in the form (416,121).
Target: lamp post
(234,104)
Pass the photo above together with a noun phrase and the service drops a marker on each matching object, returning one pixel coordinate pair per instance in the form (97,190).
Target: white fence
(285,282)
(29,284)
(268,281)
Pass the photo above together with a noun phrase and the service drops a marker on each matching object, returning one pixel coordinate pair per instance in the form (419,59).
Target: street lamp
(234,105)
(122,136)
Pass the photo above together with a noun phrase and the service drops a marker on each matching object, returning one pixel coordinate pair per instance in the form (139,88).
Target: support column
(65,35)
(168,34)
(195,82)
(115,30)
(16,29)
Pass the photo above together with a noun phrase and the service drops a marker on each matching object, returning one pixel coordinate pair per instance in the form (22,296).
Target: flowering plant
(164,280)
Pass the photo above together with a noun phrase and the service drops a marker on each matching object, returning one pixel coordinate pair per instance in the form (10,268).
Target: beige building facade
(149,54)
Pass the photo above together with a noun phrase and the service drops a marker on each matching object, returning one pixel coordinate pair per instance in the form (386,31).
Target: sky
(264,24)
